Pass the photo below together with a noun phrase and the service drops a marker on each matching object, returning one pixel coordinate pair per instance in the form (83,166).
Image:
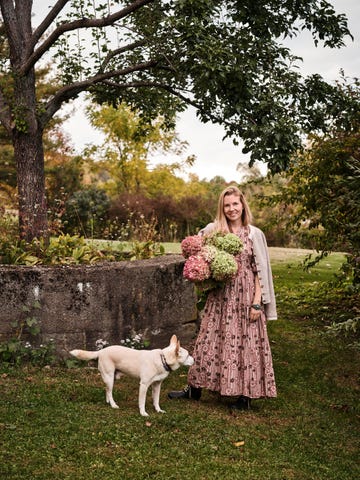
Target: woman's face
(232,207)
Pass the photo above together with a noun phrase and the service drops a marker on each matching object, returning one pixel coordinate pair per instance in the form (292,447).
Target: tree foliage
(224,57)
(125,155)
(324,184)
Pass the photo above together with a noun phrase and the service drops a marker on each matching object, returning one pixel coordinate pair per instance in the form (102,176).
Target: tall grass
(54,423)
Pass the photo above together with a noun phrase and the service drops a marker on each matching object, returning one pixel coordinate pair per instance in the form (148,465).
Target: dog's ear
(177,349)
(173,340)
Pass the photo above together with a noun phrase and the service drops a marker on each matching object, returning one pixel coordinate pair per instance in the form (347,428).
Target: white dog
(150,366)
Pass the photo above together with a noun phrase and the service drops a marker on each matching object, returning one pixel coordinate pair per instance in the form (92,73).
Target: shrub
(23,347)
(86,212)
(60,250)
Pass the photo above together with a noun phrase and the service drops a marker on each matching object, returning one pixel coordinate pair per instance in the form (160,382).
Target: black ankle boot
(188,392)
(242,403)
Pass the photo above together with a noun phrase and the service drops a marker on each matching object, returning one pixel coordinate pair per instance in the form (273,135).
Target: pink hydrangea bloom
(208,252)
(196,269)
(191,245)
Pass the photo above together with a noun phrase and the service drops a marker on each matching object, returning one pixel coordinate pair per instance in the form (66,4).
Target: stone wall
(80,304)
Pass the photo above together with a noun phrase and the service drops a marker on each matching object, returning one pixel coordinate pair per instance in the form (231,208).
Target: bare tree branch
(169,89)
(70,92)
(74,25)
(47,22)
(150,84)
(10,24)
(119,51)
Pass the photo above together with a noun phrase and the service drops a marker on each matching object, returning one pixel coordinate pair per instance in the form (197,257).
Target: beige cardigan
(263,267)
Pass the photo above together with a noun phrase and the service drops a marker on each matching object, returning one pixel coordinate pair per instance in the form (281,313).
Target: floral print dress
(232,355)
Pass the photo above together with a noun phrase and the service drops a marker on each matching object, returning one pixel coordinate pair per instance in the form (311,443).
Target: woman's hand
(255,312)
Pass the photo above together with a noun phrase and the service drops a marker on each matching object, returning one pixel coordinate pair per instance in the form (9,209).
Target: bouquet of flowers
(210,260)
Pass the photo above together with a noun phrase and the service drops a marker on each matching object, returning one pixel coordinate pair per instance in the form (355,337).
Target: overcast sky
(217,157)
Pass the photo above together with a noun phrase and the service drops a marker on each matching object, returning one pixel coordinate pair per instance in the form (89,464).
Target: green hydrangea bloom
(228,242)
(224,266)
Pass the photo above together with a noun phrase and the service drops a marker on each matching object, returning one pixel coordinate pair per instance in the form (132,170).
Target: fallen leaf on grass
(148,424)
(239,444)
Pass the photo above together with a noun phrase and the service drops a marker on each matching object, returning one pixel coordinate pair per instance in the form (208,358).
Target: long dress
(232,355)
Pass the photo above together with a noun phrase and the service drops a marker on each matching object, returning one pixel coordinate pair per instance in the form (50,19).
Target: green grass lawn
(54,423)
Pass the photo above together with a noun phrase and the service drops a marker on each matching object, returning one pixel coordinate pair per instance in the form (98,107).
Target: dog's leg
(108,378)
(156,386)
(142,398)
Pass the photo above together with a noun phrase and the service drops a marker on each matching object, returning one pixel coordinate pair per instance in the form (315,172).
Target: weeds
(60,250)
(137,341)
(141,242)
(23,347)
(72,250)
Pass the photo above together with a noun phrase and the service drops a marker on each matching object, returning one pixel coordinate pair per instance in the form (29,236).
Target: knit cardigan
(263,268)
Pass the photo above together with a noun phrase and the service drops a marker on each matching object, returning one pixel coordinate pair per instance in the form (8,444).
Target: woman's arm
(255,311)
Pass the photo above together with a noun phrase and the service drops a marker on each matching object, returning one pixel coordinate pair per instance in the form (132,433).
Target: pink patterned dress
(232,355)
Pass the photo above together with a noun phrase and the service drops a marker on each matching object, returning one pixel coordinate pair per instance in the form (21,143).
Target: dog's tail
(85,354)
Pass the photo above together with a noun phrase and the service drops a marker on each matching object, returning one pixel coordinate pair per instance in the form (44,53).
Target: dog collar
(165,364)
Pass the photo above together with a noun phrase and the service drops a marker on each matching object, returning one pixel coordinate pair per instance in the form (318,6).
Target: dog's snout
(189,361)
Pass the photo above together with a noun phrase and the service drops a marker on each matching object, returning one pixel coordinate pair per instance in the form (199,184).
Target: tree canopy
(323,187)
(125,153)
(225,57)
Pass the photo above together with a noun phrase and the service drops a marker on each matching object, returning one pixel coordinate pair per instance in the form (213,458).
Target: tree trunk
(27,132)
(29,157)
(21,116)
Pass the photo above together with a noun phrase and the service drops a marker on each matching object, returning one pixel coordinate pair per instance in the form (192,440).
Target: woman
(232,352)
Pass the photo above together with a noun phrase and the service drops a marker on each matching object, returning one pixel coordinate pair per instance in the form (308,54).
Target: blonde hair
(221,223)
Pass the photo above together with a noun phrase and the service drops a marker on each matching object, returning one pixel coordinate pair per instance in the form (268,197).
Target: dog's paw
(161,411)
(144,414)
